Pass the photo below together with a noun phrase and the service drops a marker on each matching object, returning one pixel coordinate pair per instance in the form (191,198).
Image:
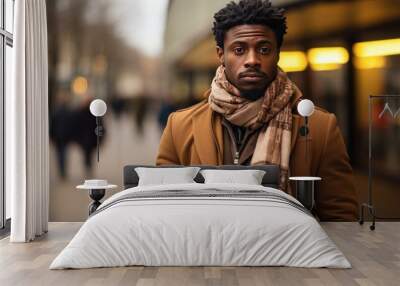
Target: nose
(252,60)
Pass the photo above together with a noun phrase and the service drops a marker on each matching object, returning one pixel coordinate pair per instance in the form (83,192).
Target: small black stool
(97,190)
(305,190)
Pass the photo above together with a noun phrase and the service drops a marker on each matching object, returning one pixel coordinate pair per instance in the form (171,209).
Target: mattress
(201,225)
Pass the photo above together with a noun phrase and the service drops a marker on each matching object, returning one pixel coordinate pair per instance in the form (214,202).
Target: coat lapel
(295,130)
(207,133)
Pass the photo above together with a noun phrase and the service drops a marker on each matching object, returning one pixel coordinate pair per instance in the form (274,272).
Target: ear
(220,54)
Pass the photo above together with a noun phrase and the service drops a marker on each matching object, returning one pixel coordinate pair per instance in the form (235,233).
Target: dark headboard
(271,177)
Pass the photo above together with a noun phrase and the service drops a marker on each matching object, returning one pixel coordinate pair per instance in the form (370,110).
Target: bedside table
(97,190)
(305,188)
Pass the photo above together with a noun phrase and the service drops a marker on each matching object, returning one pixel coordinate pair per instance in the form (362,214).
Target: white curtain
(27,139)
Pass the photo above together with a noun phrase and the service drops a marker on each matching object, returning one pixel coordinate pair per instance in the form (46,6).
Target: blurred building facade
(337,52)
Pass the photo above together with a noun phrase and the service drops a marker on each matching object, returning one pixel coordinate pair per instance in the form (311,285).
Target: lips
(251,75)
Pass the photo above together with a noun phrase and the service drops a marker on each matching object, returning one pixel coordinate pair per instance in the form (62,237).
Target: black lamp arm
(99,132)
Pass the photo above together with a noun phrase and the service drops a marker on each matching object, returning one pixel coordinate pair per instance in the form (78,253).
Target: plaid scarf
(272,113)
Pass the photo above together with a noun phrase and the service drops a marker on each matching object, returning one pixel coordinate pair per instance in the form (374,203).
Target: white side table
(305,187)
(97,190)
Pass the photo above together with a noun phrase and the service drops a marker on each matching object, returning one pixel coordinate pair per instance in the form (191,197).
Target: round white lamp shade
(305,107)
(98,107)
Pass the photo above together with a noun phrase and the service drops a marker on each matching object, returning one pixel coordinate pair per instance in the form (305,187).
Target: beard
(252,95)
(256,93)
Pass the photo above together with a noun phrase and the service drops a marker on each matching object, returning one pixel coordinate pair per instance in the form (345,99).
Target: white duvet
(183,231)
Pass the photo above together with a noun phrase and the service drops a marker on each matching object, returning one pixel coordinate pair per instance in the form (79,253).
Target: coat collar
(295,130)
(208,138)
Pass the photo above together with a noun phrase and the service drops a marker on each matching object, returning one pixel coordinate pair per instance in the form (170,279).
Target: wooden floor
(375,257)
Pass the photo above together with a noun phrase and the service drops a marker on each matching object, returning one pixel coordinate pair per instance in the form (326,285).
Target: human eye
(265,50)
(238,50)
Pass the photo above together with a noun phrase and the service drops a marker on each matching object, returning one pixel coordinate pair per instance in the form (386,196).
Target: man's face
(250,56)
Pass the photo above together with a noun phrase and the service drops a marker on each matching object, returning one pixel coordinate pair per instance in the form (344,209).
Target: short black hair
(249,12)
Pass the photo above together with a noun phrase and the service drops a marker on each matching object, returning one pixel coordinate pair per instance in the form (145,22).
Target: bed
(201,224)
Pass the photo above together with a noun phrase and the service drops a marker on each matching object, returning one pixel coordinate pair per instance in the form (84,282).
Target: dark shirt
(239,143)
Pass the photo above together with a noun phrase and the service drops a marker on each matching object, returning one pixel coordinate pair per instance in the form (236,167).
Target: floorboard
(374,255)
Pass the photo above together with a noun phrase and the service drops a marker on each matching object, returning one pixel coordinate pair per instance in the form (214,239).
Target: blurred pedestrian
(141,104)
(61,130)
(84,133)
(166,109)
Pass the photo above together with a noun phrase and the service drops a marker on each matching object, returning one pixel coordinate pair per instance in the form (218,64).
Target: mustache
(253,72)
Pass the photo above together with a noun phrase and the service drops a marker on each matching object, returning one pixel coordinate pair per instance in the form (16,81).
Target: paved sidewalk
(123,145)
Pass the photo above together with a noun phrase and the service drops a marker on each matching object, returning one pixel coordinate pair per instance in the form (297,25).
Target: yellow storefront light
(328,58)
(79,85)
(369,62)
(377,48)
(292,61)
(325,67)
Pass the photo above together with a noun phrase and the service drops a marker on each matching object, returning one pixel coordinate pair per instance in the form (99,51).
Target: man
(249,114)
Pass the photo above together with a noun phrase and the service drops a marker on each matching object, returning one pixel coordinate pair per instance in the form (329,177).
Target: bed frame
(270,179)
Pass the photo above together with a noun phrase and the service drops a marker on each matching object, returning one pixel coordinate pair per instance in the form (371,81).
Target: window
(6,62)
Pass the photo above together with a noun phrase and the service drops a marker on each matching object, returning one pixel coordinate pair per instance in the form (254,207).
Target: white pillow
(162,176)
(248,177)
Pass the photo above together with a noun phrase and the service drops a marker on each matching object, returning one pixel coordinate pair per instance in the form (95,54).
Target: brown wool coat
(194,136)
